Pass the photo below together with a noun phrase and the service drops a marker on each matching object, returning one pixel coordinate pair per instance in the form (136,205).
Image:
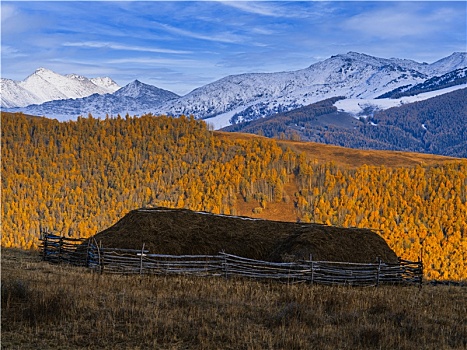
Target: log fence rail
(57,249)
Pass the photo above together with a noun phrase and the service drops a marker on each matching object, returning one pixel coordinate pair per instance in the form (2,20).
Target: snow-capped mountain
(455,61)
(45,85)
(444,65)
(135,98)
(235,98)
(106,83)
(353,75)
(14,95)
(148,95)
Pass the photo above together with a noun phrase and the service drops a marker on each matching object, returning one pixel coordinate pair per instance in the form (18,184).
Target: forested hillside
(436,125)
(308,123)
(80,177)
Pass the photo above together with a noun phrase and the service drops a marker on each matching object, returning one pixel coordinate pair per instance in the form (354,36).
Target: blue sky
(183,45)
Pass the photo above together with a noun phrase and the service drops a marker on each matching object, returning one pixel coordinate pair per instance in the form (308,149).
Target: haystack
(181,231)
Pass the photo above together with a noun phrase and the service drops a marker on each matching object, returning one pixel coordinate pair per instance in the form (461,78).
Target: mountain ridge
(249,96)
(45,85)
(133,96)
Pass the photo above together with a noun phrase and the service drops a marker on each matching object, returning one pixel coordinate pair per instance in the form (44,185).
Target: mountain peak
(46,85)
(454,61)
(357,54)
(105,83)
(132,89)
(137,84)
(358,57)
(137,89)
(41,71)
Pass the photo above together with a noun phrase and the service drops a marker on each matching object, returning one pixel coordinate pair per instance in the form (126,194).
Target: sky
(182,45)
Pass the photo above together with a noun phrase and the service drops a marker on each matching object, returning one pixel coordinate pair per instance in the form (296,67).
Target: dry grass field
(47,306)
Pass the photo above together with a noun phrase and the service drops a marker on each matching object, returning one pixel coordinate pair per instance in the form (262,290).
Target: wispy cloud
(8,11)
(182,45)
(157,62)
(225,37)
(11,52)
(400,20)
(256,8)
(282,9)
(116,46)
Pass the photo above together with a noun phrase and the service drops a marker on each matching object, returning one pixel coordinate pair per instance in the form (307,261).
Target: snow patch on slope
(358,107)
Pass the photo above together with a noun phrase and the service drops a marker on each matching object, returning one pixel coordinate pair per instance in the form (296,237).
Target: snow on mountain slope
(106,83)
(358,107)
(148,94)
(366,107)
(12,94)
(455,77)
(249,96)
(135,98)
(455,61)
(45,85)
(351,75)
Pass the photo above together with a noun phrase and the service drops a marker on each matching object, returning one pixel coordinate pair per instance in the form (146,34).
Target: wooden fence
(128,261)
(58,249)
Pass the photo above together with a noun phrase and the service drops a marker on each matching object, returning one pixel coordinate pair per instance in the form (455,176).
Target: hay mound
(181,231)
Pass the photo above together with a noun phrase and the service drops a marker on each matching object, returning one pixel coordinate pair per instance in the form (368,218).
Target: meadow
(47,306)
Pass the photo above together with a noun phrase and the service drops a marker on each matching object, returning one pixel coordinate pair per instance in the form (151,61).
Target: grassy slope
(49,307)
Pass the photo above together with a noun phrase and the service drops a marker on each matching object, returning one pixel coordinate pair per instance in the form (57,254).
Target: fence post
(101,258)
(141,261)
(312,269)
(87,252)
(420,265)
(60,244)
(44,255)
(378,271)
(225,265)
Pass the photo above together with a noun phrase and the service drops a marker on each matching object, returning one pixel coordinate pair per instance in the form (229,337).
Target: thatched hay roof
(181,231)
